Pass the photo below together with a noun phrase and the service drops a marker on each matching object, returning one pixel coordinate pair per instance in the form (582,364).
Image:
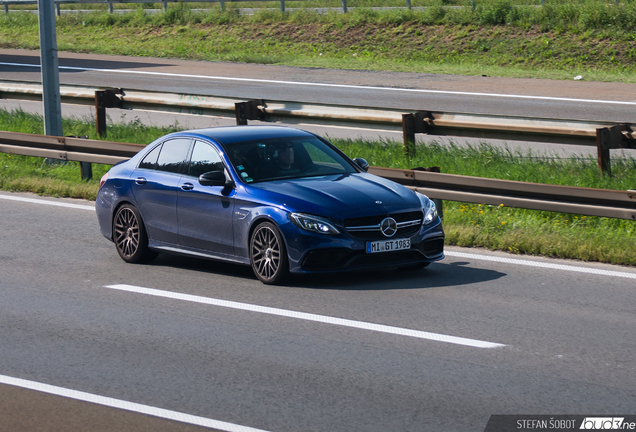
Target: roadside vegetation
(559,40)
(471,225)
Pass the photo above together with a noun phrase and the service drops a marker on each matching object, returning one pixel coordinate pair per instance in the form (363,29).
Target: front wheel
(268,255)
(130,236)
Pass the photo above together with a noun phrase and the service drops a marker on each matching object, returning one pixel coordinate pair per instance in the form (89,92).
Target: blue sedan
(279,199)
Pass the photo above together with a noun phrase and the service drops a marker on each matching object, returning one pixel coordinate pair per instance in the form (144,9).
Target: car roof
(232,134)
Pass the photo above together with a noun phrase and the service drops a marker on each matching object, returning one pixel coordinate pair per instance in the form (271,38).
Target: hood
(338,195)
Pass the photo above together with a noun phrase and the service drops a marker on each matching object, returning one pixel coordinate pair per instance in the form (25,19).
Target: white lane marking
(541,264)
(310,84)
(47,202)
(125,405)
(309,317)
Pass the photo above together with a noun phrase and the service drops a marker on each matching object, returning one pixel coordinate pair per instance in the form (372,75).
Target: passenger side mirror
(213,178)
(362,163)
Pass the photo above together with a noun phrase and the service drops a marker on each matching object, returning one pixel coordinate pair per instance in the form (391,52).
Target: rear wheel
(268,255)
(130,236)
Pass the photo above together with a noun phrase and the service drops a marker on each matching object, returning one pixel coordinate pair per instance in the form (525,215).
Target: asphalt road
(566,331)
(410,91)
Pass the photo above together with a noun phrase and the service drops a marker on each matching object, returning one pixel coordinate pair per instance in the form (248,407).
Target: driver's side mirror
(214,178)
(362,163)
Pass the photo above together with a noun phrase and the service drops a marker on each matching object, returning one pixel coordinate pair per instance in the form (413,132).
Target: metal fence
(7,3)
(345,6)
(602,135)
(567,199)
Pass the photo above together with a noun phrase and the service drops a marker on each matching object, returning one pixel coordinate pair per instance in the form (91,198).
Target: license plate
(388,245)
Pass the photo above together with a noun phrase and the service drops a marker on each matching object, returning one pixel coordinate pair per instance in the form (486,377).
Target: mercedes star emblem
(388,226)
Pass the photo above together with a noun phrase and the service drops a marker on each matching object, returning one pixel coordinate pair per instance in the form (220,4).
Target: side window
(205,158)
(173,155)
(150,161)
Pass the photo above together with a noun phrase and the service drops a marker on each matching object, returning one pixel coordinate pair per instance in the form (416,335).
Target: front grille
(368,227)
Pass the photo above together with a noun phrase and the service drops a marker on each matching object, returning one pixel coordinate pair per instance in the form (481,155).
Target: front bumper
(323,254)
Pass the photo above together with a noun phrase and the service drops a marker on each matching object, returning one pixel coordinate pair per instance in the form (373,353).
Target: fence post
(110,6)
(105,99)
(249,110)
(58,12)
(408,4)
(603,148)
(87,170)
(344,6)
(100,112)
(408,134)
(165,6)
(222,5)
(282,5)
(6,8)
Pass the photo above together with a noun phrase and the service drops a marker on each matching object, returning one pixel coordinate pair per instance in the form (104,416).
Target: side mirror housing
(362,163)
(213,178)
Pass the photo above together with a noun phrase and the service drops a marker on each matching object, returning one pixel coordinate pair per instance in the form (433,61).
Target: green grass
(498,38)
(471,225)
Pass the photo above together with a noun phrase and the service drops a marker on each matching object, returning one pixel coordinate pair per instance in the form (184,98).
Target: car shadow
(68,63)
(438,274)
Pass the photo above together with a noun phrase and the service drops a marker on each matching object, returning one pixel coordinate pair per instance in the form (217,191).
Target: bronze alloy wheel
(268,255)
(129,235)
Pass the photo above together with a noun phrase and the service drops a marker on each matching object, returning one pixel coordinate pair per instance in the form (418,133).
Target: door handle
(187,186)
(140,180)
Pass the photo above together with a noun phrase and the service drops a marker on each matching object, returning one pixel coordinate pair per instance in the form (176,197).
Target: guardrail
(567,199)
(110,3)
(602,135)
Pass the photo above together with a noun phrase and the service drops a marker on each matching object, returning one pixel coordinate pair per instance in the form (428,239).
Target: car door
(205,212)
(156,181)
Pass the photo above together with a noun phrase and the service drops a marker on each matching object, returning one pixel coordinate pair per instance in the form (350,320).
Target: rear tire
(129,235)
(268,255)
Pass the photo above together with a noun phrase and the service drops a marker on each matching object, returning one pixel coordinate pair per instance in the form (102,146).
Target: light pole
(50,71)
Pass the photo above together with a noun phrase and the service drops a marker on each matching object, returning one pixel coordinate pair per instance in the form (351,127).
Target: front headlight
(312,223)
(428,207)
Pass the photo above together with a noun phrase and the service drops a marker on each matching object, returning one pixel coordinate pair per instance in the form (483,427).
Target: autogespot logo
(388,226)
(602,423)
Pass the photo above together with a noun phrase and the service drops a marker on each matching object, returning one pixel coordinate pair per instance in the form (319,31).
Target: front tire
(129,235)
(268,255)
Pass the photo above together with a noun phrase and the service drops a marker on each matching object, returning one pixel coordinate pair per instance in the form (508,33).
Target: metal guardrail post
(603,147)
(110,6)
(222,5)
(408,133)
(58,12)
(105,99)
(282,5)
(613,137)
(344,6)
(249,110)
(412,124)
(6,8)
(86,168)
(100,113)
(165,6)
(408,4)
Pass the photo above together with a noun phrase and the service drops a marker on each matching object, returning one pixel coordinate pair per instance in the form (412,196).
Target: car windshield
(285,158)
